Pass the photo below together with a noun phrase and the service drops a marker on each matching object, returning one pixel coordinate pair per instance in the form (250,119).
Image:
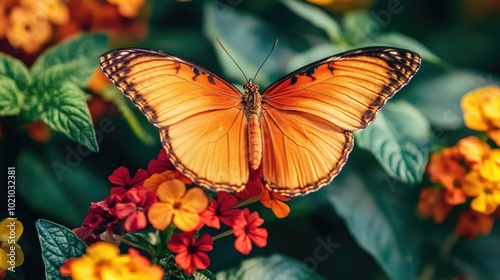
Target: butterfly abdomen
(254,142)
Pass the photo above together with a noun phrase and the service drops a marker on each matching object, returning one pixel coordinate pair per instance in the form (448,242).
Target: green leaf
(479,258)
(402,41)
(11,98)
(275,266)
(15,70)
(78,55)
(360,28)
(233,27)
(400,139)
(378,222)
(65,108)
(204,275)
(58,185)
(317,17)
(58,244)
(14,78)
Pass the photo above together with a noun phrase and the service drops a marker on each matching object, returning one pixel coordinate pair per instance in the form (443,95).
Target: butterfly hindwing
(309,115)
(200,116)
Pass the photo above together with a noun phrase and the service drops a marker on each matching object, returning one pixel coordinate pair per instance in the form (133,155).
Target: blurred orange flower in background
(472,223)
(432,204)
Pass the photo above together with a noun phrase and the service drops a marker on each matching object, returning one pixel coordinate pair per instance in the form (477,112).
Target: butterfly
(299,130)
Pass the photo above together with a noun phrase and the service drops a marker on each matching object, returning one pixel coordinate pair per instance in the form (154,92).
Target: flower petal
(185,220)
(195,200)
(160,215)
(171,191)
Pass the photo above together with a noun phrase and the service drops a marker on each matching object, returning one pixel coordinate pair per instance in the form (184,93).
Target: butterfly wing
(309,115)
(200,116)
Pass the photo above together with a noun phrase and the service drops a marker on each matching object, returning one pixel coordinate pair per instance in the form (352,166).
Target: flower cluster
(104,261)
(469,172)
(163,198)
(30,25)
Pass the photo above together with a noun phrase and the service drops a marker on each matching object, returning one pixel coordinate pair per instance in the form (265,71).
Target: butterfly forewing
(200,116)
(309,115)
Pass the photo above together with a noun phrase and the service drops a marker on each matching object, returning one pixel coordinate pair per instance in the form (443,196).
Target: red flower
(254,185)
(161,163)
(471,223)
(247,231)
(96,222)
(221,210)
(135,204)
(122,181)
(190,254)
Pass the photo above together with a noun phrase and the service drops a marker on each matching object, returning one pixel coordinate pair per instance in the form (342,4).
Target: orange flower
(128,8)
(490,168)
(153,182)
(53,10)
(486,193)
(28,30)
(481,109)
(473,150)
(103,261)
(342,6)
(432,204)
(274,201)
(472,223)
(445,170)
(177,206)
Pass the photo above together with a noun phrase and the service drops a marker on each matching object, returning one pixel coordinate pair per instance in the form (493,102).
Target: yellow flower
(153,182)
(128,8)
(481,109)
(486,193)
(474,151)
(53,10)
(27,30)
(490,168)
(103,261)
(177,206)
(10,231)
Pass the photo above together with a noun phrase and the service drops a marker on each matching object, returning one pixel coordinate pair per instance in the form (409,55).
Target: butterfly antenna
(246,79)
(270,52)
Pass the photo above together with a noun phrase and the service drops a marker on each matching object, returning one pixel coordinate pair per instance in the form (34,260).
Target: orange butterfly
(300,129)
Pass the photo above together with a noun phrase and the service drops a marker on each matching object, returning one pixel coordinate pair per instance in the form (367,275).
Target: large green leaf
(234,28)
(378,222)
(317,17)
(79,54)
(60,185)
(479,258)
(58,244)
(275,266)
(66,111)
(438,97)
(400,139)
(14,78)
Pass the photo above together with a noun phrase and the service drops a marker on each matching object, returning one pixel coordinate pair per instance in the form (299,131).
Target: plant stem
(248,201)
(226,233)
(444,251)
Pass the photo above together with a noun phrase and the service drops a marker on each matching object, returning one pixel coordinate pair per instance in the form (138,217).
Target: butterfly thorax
(253,109)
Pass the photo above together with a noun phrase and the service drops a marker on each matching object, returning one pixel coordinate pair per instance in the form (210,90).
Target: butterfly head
(252,97)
